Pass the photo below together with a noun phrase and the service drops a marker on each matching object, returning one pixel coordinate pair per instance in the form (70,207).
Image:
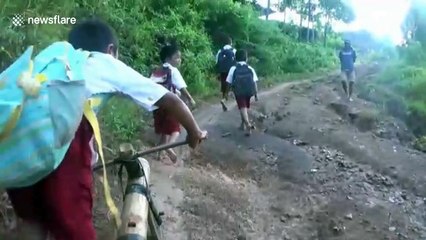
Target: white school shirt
(232,70)
(105,74)
(225,47)
(177,78)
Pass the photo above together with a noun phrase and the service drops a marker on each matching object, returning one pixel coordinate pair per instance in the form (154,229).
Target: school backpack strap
(243,84)
(91,117)
(163,76)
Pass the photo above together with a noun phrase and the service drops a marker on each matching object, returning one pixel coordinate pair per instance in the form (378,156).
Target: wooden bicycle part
(136,206)
(126,150)
(154,232)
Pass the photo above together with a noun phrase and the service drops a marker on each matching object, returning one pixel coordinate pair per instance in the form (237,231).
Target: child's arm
(187,95)
(354,55)
(255,79)
(255,95)
(229,79)
(180,84)
(173,105)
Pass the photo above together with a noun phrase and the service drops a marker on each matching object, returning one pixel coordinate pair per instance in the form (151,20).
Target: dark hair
(227,40)
(92,35)
(241,55)
(168,50)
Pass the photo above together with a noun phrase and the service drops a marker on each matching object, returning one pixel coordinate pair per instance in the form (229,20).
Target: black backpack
(243,84)
(226,60)
(163,76)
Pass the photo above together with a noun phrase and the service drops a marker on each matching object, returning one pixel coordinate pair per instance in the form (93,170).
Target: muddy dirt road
(316,168)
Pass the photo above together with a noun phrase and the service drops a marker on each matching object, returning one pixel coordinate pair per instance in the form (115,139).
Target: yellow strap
(11,122)
(91,117)
(16,114)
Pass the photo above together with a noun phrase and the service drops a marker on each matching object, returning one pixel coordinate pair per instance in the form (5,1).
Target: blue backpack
(42,102)
(41,106)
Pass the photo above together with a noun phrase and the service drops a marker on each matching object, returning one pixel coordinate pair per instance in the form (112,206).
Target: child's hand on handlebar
(194,139)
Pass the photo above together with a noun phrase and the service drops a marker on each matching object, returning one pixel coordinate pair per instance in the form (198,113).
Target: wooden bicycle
(140,219)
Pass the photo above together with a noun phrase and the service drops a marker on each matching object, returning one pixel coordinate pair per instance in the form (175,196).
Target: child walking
(166,125)
(243,81)
(225,59)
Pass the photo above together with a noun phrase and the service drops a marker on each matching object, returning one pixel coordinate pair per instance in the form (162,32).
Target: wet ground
(316,168)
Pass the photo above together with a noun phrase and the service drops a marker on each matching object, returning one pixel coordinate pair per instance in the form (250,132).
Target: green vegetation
(275,49)
(402,86)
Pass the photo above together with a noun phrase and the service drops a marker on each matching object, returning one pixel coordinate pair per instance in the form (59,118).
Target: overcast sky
(382,18)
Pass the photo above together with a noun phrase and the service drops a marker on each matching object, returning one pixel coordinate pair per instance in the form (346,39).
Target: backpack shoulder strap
(236,71)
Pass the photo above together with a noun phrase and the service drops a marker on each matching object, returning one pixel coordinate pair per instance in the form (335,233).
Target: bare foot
(166,161)
(249,130)
(159,155)
(172,155)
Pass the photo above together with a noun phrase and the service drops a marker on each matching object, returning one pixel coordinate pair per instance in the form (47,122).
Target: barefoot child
(169,76)
(61,203)
(242,79)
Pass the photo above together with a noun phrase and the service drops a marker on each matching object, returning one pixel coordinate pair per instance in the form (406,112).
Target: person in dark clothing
(347,56)
(225,59)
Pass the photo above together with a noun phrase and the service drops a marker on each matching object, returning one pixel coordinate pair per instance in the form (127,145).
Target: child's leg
(224,86)
(345,82)
(68,192)
(172,131)
(171,139)
(162,141)
(160,124)
(224,90)
(242,126)
(244,117)
(62,201)
(244,104)
(27,206)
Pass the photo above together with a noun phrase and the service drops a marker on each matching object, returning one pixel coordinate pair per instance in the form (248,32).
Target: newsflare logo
(19,20)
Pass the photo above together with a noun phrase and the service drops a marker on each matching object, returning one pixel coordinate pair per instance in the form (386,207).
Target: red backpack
(163,76)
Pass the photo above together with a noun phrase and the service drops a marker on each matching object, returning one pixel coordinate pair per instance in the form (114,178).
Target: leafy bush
(195,24)
(406,77)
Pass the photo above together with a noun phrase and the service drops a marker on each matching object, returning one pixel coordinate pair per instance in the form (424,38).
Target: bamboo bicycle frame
(140,218)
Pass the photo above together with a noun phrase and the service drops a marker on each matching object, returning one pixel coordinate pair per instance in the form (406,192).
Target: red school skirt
(62,202)
(164,123)
(243,102)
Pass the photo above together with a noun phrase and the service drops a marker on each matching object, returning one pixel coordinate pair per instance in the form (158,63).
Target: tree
(414,26)
(307,11)
(268,8)
(335,10)
(284,5)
